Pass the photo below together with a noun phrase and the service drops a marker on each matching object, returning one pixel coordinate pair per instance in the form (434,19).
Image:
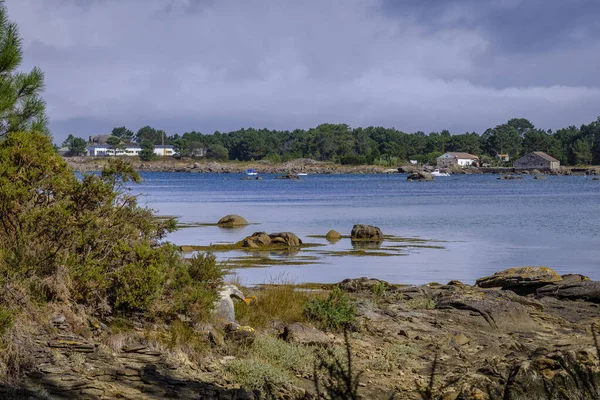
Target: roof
(464,155)
(545,156)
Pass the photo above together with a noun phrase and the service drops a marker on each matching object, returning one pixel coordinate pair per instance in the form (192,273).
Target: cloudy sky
(206,65)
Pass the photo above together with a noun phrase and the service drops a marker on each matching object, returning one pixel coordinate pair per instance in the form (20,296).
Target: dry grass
(282,302)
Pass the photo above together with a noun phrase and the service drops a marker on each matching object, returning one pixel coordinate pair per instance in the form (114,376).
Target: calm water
(485,224)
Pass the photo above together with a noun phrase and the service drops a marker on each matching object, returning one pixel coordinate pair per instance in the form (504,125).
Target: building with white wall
(102,150)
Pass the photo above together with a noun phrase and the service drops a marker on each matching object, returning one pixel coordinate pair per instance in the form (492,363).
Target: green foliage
(76,145)
(147,152)
(155,136)
(110,247)
(194,286)
(253,374)
(21,107)
(217,151)
(383,146)
(335,312)
(123,134)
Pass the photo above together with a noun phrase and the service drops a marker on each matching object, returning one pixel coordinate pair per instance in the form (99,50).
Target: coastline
(309,166)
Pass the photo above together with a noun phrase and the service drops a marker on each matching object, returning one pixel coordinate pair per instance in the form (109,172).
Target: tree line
(376,145)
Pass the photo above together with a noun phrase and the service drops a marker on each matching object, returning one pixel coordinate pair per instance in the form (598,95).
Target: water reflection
(363,245)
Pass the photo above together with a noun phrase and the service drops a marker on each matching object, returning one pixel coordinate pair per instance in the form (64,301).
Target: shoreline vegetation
(309,166)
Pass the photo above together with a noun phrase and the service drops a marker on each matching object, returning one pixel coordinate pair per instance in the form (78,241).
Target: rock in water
(286,238)
(257,239)
(520,277)
(366,232)
(232,220)
(420,177)
(262,239)
(333,235)
(224,305)
(288,176)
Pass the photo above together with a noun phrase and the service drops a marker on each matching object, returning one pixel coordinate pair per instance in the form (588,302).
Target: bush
(335,312)
(91,236)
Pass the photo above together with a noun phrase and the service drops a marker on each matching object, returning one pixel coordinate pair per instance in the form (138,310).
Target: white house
(99,150)
(462,159)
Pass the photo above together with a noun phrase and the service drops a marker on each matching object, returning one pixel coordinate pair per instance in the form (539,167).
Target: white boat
(437,172)
(301,174)
(251,172)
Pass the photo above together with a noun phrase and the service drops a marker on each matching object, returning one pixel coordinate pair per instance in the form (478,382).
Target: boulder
(241,334)
(366,232)
(584,290)
(540,177)
(304,334)
(288,176)
(333,235)
(224,305)
(520,277)
(232,220)
(363,284)
(420,177)
(279,239)
(288,239)
(257,239)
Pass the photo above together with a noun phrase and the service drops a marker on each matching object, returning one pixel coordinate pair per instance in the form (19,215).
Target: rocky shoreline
(526,330)
(308,166)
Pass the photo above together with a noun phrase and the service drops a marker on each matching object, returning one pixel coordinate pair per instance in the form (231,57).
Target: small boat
(301,174)
(251,172)
(437,172)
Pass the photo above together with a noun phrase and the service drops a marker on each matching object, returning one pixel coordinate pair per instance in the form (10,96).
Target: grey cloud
(185,65)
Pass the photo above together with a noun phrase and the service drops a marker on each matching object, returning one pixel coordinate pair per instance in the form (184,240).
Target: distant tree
(123,133)
(181,147)
(217,151)
(114,143)
(147,153)
(583,151)
(67,141)
(77,146)
(21,107)
(156,136)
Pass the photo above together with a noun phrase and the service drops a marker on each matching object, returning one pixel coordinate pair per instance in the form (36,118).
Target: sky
(207,65)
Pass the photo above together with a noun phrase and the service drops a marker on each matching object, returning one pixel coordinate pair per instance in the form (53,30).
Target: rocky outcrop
(366,232)
(420,177)
(584,290)
(510,177)
(305,335)
(279,239)
(520,277)
(495,310)
(363,284)
(232,220)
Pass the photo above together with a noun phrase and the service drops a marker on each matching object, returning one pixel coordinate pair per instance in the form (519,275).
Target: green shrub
(335,312)
(91,235)
(255,374)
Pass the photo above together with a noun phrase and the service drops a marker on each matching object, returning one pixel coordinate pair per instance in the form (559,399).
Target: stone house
(537,160)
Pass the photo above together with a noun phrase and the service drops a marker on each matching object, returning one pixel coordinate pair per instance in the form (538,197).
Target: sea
(461,227)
